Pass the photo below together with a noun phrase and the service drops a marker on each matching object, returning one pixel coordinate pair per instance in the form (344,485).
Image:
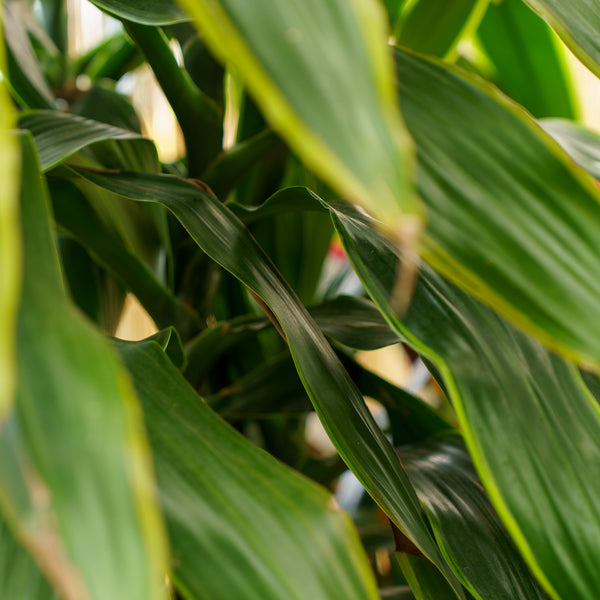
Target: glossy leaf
(60,135)
(471,535)
(233,509)
(436,26)
(75,475)
(577,22)
(338,403)
(155,12)
(529,64)
(511,220)
(10,244)
(529,423)
(581,144)
(326,52)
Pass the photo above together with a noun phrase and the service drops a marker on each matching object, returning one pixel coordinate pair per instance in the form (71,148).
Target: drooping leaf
(577,22)
(234,510)
(327,90)
(511,220)
(530,425)
(338,403)
(436,26)
(470,532)
(155,12)
(10,243)
(528,62)
(59,135)
(75,477)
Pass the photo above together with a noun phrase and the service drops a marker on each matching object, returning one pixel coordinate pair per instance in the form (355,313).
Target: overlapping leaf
(234,510)
(577,22)
(328,90)
(511,219)
(338,403)
(530,424)
(75,479)
(155,12)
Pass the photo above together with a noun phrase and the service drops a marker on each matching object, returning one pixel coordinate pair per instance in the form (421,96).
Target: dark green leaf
(234,510)
(425,582)
(338,403)
(151,12)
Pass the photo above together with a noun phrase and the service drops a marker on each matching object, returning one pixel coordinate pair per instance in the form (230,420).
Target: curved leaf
(59,135)
(10,244)
(577,22)
(511,220)
(149,12)
(85,505)
(234,510)
(340,406)
(530,425)
(468,529)
(327,90)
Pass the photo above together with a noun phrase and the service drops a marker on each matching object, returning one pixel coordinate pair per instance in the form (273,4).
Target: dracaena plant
(438,144)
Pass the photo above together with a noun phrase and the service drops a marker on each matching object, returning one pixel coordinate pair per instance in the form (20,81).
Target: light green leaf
(328,90)
(530,425)
(468,529)
(233,510)
(577,22)
(340,406)
(528,60)
(19,576)
(436,26)
(10,243)
(59,135)
(511,219)
(75,475)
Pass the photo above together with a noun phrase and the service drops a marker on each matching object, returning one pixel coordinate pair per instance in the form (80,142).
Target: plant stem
(199,117)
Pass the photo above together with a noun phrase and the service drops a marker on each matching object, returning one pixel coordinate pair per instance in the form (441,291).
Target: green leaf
(577,22)
(60,135)
(234,510)
(468,529)
(337,401)
(511,220)
(436,26)
(530,425)
(580,143)
(75,475)
(153,12)
(528,61)
(326,52)
(10,243)
(425,582)
(19,576)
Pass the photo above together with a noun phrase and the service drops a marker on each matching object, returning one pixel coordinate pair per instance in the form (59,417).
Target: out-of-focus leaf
(19,576)
(60,135)
(234,510)
(75,478)
(529,63)
(530,424)
(436,26)
(469,531)
(581,144)
(327,90)
(577,22)
(340,406)
(511,220)
(10,243)
(152,12)
(26,78)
